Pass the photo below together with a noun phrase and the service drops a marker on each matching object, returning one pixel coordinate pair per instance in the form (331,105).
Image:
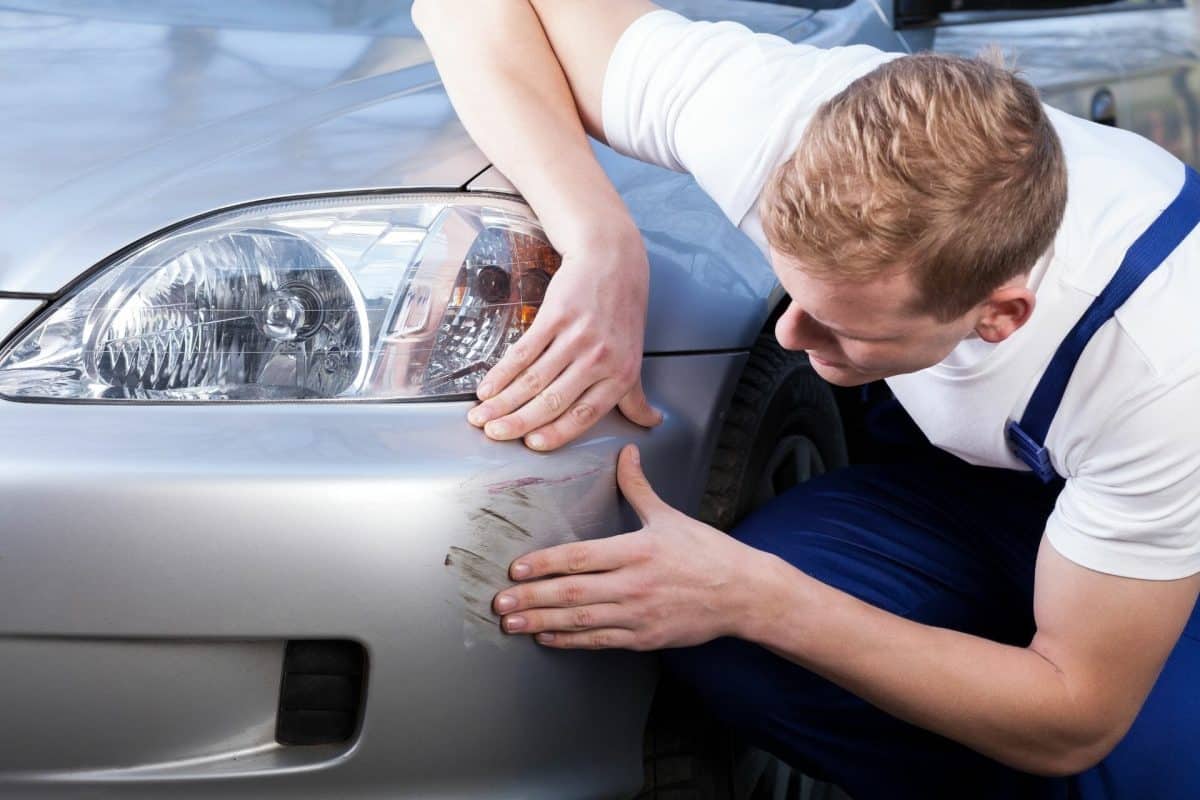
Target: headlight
(349,298)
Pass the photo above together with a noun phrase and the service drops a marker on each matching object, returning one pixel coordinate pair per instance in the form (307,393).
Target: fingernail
(477,416)
(496,429)
(636,456)
(545,638)
(520,571)
(514,623)
(484,391)
(505,602)
(536,441)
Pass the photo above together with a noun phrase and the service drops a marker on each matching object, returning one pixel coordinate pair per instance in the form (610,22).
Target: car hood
(127,117)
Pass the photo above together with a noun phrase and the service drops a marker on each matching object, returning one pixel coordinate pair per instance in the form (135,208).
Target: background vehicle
(243,599)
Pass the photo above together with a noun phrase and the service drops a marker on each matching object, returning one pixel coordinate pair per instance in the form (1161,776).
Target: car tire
(781,428)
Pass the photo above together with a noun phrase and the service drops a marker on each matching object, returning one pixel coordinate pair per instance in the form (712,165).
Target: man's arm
(582,354)
(1055,707)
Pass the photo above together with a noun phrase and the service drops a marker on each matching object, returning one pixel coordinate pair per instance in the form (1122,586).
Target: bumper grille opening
(321,694)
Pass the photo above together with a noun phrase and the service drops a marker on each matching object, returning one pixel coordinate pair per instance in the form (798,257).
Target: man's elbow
(1071,757)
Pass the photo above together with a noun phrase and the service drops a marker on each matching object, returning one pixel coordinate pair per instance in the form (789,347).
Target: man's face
(855,333)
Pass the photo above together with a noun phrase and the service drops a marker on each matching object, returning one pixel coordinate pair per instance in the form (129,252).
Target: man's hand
(582,355)
(529,105)
(674,583)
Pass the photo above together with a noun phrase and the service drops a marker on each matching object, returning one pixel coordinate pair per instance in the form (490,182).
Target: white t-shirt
(728,105)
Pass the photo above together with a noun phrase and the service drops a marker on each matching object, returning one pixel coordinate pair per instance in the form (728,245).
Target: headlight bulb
(290,313)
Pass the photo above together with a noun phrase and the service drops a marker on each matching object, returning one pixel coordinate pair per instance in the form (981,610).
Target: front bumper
(154,560)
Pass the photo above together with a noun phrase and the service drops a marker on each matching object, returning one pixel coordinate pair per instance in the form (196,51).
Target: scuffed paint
(477,575)
(509,517)
(508,486)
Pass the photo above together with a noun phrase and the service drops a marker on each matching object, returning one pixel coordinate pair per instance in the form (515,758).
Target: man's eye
(862,339)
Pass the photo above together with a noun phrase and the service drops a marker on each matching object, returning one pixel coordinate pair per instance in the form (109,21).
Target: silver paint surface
(262,523)
(15,312)
(225,692)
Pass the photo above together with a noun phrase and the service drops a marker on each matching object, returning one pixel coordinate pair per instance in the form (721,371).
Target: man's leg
(936,541)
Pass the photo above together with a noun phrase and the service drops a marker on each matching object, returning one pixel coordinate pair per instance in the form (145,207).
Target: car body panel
(14,312)
(491,180)
(196,527)
(151,536)
(225,690)
(184,121)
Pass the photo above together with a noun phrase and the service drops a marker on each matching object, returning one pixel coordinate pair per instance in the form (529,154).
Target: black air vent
(320,698)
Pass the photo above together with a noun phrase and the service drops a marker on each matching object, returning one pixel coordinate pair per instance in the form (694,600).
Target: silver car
(251,267)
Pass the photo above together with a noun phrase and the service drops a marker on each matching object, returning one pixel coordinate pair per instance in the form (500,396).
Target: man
(944,626)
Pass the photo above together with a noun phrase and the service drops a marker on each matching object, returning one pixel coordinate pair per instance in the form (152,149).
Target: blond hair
(944,166)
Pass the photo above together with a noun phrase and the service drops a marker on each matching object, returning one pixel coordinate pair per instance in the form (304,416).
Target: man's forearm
(581,357)
(1007,702)
(513,98)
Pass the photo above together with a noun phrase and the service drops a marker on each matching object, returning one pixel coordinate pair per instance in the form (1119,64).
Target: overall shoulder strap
(1028,437)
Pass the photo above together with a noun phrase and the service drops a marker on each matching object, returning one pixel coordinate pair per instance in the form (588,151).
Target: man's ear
(1005,310)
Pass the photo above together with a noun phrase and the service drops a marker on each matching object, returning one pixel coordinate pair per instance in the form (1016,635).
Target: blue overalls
(929,537)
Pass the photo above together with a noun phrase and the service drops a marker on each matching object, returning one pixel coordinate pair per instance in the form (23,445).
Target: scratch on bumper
(509,518)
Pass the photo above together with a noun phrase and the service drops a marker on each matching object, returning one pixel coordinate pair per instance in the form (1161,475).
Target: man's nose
(795,330)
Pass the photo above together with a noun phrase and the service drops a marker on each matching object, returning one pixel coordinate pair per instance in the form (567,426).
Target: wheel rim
(794,460)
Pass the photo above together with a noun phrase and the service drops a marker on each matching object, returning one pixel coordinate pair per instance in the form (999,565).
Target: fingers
(637,408)
(524,351)
(580,618)
(591,406)
(598,639)
(631,480)
(555,593)
(551,403)
(576,420)
(596,555)
(534,379)
(543,378)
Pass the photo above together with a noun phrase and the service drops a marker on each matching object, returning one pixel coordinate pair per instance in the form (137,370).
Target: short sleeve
(719,101)
(1133,508)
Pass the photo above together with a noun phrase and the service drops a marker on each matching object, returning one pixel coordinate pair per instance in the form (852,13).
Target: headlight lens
(393,297)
